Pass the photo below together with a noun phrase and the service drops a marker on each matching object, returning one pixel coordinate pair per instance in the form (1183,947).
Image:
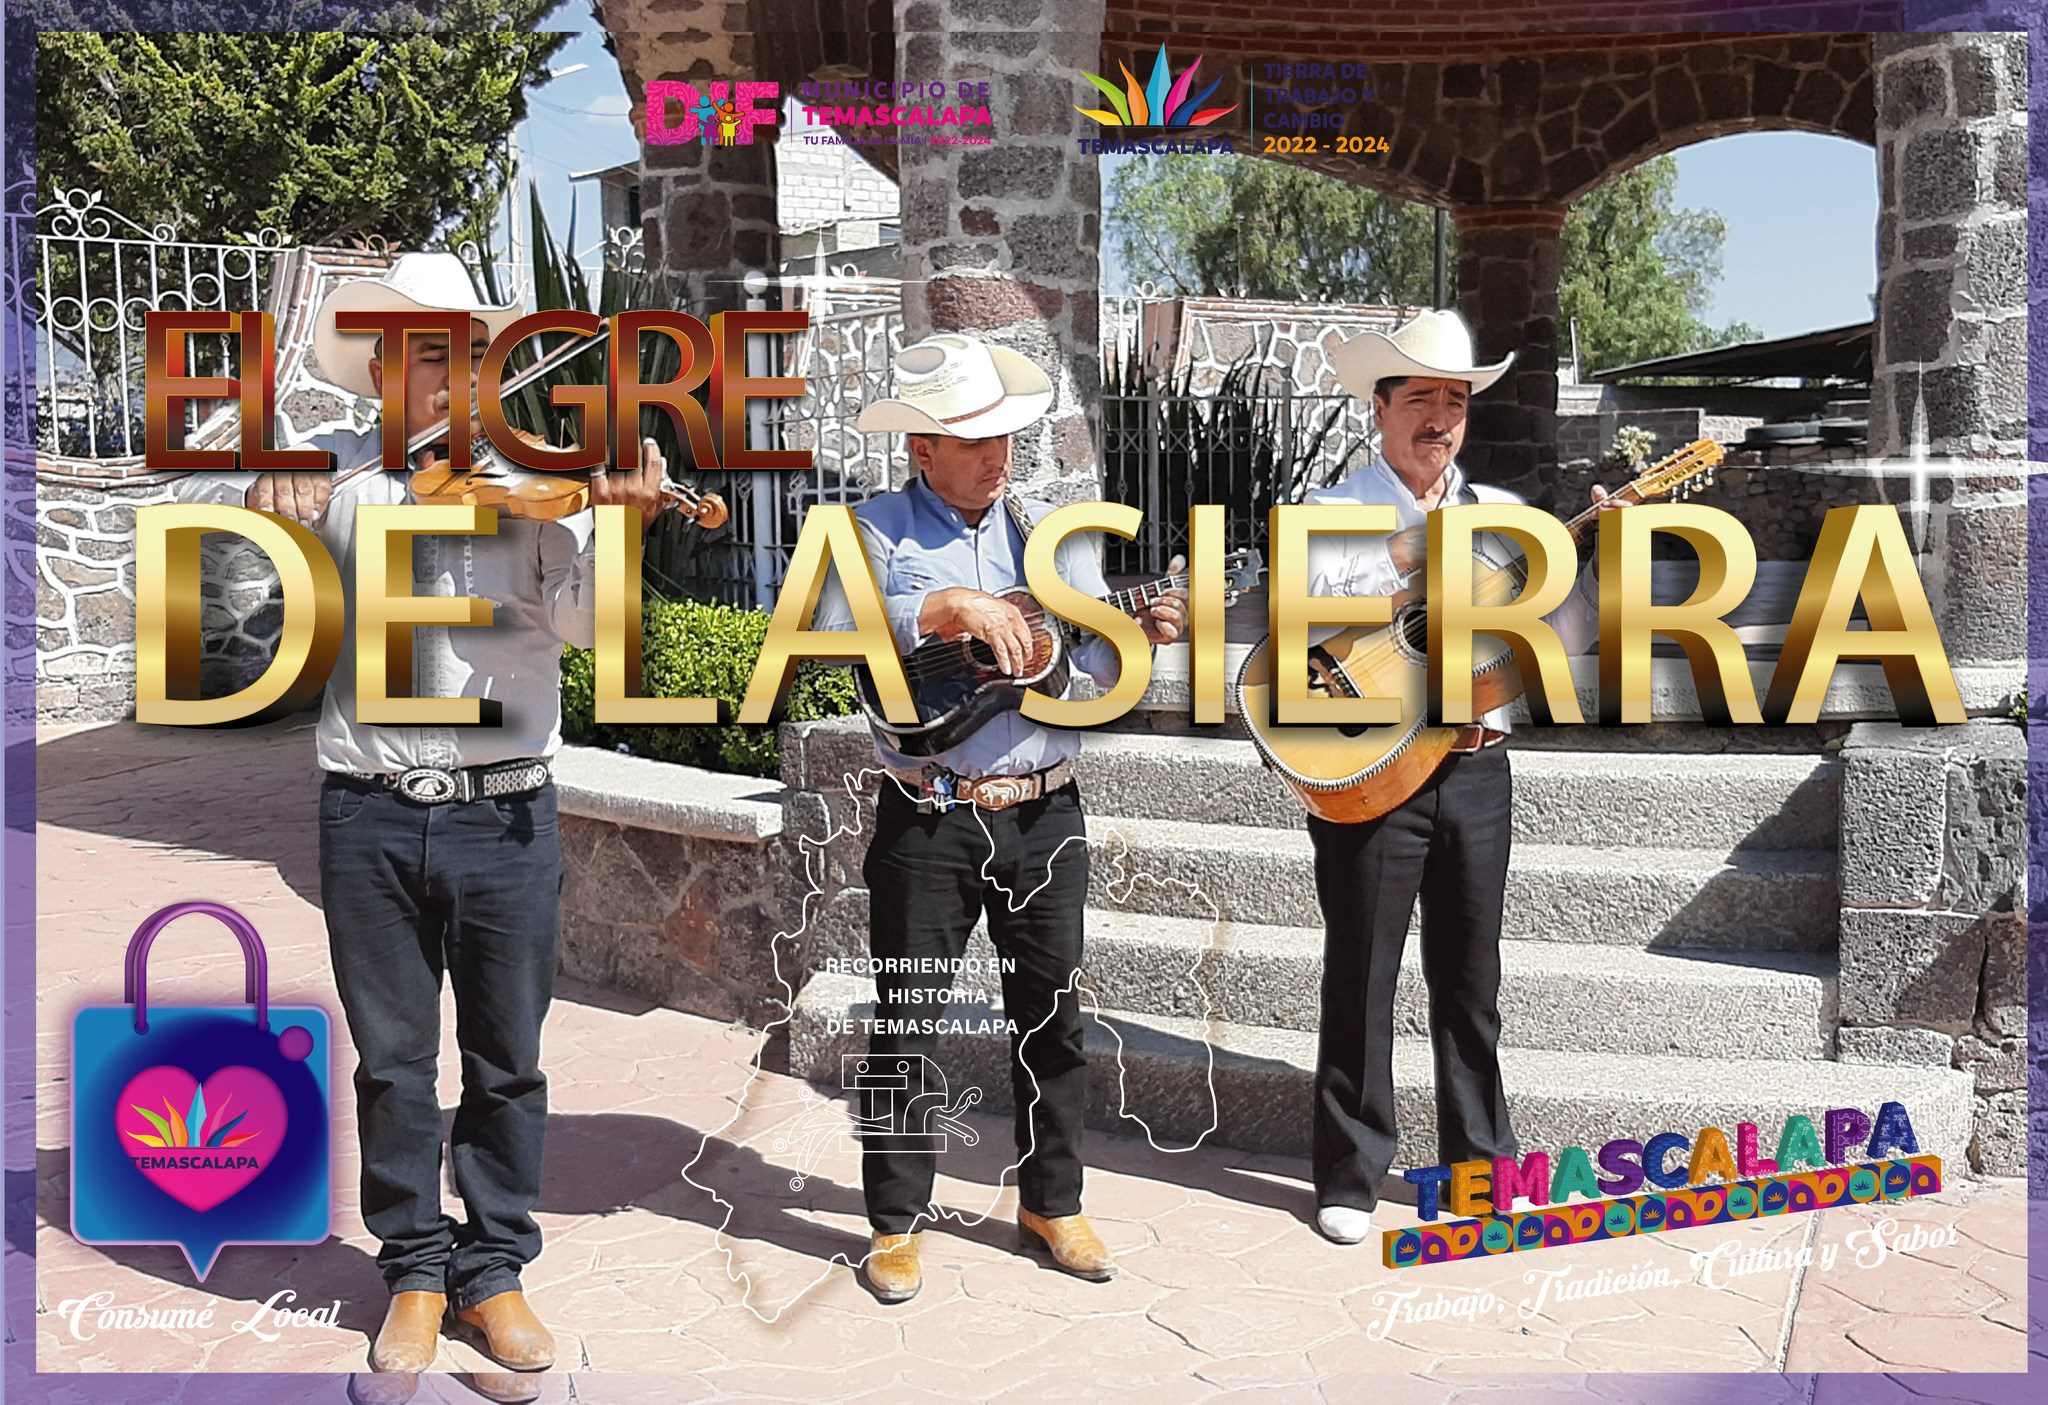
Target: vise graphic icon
(904,1104)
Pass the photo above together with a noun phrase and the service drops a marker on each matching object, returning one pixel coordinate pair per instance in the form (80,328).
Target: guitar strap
(1014,505)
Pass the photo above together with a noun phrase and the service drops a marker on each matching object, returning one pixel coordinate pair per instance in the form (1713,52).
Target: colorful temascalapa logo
(717,114)
(1162,102)
(199,1125)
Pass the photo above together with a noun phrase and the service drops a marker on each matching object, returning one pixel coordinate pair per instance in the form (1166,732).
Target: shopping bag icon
(199,1125)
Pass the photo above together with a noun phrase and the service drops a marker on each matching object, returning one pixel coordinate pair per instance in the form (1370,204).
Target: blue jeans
(474,890)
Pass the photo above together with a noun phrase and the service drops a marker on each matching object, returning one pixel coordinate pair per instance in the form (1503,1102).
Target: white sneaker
(1340,1224)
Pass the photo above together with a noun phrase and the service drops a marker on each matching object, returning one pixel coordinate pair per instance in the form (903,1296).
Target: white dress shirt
(539,576)
(1340,564)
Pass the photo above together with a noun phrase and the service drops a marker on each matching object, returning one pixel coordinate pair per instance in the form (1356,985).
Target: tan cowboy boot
(411,1333)
(505,1387)
(892,1268)
(1072,1244)
(512,1335)
(382,1387)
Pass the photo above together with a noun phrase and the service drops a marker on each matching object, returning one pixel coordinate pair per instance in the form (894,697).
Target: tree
(322,136)
(1637,271)
(1210,224)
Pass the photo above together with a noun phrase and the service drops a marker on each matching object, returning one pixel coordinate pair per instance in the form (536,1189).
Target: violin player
(439,853)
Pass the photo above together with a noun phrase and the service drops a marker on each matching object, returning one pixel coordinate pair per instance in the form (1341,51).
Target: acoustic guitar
(957,686)
(1350,774)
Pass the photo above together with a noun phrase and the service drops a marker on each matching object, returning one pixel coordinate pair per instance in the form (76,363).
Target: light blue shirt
(917,544)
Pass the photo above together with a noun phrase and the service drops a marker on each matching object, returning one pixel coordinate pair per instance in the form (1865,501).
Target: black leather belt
(431,785)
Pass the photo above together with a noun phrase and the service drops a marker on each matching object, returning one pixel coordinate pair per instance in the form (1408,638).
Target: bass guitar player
(990,826)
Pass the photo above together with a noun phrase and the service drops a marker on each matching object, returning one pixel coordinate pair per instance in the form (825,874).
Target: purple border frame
(24,19)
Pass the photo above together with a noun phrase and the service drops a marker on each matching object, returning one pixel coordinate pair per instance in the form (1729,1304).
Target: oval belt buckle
(427,785)
(1001,792)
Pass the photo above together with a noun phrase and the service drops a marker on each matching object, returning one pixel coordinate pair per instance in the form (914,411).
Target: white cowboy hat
(1434,344)
(437,282)
(952,384)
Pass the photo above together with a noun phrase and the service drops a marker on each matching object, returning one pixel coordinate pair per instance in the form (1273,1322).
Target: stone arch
(1507,129)
(1541,119)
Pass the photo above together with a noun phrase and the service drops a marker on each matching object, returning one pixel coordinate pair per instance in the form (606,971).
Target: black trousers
(926,889)
(474,890)
(1448,844)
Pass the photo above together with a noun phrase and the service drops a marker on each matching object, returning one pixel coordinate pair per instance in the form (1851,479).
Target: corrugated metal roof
(1839,352)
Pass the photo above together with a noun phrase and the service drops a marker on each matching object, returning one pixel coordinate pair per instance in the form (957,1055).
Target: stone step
(1771,900)
(1262,1081)
(1706,801)
(1857,690)
(1778,1005)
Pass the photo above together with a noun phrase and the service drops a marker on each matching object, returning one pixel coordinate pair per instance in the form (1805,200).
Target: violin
(519,492)
(538,497)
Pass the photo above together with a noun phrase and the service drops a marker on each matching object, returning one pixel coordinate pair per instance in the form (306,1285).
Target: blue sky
(1802,227)
(575,123)
(1801,209)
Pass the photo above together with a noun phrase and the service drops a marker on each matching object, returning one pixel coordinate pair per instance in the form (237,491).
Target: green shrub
(694,649)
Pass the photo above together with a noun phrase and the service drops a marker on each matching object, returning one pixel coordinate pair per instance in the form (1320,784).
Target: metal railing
(1163,445)
(98,272)
(843,357)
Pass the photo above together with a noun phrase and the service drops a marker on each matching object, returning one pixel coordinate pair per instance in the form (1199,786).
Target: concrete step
(1662,898)
(1262,1081)
(1709,801)
(1778,1005)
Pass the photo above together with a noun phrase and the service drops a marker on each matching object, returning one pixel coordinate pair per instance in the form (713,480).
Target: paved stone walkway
(1225,1289)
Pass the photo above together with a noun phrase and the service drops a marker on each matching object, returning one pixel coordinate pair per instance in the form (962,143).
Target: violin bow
(574,346)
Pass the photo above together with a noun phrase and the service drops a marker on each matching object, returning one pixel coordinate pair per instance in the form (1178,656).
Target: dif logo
(716,113)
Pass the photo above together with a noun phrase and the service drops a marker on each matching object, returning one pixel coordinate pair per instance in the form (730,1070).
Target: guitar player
(992,826)
(1447,844)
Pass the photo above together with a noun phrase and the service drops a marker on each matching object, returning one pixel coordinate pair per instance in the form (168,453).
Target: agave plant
(674,544)
(1167,448)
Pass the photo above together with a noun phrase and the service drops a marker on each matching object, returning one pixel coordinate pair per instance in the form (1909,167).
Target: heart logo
(200,1145)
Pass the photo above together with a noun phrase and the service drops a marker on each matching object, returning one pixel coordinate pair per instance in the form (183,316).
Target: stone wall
(675,880)
(826,184)
(681,920)
(1933,937)
(1781,505)
(85,603)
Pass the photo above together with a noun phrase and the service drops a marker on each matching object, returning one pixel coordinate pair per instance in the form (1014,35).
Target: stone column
(1950,372)
(707,216)
(707,213)
(1934,896)
(1508,263)
(1000,240)
(1951,361)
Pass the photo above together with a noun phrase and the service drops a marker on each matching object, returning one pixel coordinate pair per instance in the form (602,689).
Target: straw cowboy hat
(433,282)
(1434,344)
(955,385)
